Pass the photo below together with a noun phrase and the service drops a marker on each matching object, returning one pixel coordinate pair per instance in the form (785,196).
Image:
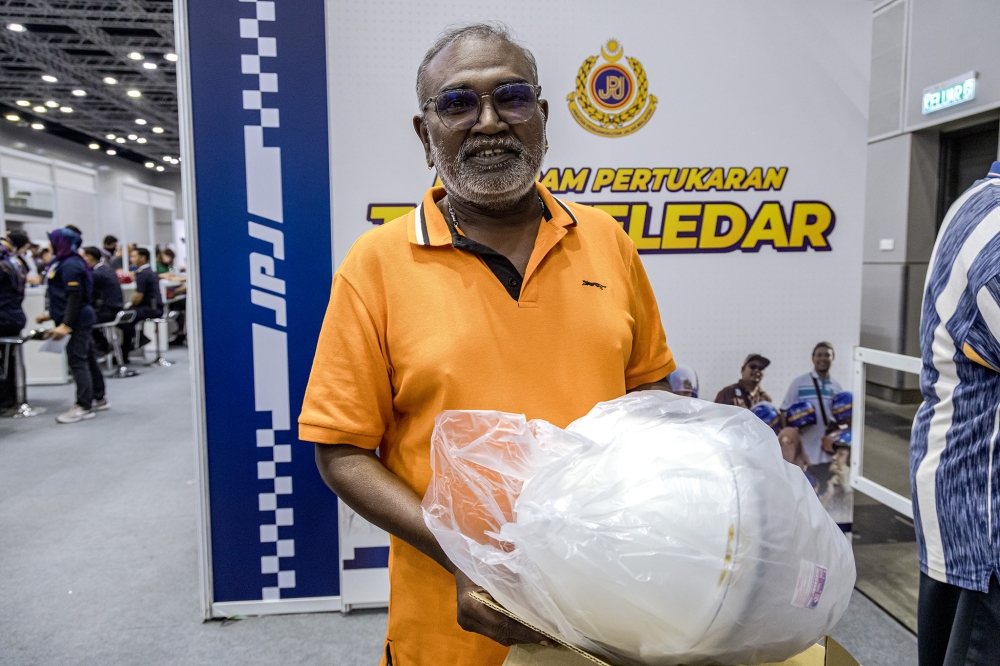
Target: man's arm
(136,299)
(380,497)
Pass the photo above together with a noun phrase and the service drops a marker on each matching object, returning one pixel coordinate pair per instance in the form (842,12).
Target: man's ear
(420,127)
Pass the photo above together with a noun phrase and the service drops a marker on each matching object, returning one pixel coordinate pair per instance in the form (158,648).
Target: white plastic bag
(654,530)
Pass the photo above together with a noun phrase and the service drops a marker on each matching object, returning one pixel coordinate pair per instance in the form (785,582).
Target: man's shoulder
(383,245)
(803,379)
(596,224)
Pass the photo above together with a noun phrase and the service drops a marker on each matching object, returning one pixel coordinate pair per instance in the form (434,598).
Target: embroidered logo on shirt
(588,283)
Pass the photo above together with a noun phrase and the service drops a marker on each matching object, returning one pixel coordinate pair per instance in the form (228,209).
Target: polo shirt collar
(994,171)
(430,228)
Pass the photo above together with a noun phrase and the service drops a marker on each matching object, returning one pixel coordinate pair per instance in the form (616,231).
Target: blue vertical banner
(262,176)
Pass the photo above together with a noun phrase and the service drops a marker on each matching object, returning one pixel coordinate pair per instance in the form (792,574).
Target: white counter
(40,367)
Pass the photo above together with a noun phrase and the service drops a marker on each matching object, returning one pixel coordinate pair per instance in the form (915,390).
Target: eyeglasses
(460,109)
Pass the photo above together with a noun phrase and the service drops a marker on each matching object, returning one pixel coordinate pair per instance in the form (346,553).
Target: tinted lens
(515,102)
(458,107)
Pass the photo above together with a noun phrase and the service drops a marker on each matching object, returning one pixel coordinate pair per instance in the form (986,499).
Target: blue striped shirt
(953,452)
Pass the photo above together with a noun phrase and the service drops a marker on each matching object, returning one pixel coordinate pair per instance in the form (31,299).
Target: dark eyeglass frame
(492,95)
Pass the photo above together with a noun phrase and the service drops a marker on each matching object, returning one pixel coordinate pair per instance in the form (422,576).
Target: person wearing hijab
(68,297)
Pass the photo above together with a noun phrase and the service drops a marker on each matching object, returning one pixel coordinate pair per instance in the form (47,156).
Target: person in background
(68,296)
(684,381)
(165,261)
(107,292)
(817,388)
(111,253)
(43,259)
(747,392)
(26,258)
(953,445)
(12,319)
(145,301)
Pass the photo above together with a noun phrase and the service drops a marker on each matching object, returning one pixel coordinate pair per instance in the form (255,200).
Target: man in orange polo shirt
(492,294)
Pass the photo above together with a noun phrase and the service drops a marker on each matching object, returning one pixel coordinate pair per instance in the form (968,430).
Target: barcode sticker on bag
(809,587)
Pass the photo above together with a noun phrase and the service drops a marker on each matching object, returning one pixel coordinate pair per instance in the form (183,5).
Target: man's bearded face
(492,165)
(492,172)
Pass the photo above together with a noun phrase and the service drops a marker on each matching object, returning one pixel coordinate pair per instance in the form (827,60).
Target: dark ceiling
(81,43)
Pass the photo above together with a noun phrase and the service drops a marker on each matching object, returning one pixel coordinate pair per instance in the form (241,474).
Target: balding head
(487,31)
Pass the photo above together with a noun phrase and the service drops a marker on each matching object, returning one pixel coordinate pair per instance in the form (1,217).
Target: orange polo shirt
(416,326)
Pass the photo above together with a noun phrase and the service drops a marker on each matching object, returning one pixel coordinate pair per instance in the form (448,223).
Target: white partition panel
(23,165)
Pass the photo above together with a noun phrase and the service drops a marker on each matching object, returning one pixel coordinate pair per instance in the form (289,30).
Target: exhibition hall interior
(499,333)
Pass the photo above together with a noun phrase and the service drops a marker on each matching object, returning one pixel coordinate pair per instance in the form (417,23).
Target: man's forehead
(475,61)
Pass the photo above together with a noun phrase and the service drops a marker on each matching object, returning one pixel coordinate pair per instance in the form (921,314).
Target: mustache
(476,144)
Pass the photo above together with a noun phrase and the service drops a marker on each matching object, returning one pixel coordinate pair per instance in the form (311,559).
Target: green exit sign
(949,93)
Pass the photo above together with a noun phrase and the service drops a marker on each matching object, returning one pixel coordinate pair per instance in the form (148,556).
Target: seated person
(112,253)
(107,294)
(146,301)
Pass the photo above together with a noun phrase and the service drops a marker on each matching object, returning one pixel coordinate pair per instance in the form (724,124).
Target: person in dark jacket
(108,298)
(147,302)
(68,296)
(12,317)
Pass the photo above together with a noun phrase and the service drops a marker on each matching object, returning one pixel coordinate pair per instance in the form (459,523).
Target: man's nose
(489,121)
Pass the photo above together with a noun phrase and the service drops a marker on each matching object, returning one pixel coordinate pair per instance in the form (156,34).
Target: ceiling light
(172,57)
(140,140)
(48,78)
(110,137)
(140,121)
(157,130)
(23,102)
(120,139)
(39,109)
(111,151)
(93,146)
(80,93)
(52,104)
(159,168)
(135,55)
(15,27)
(149,165)
(66,109)
(167,158)
(132,137)
(149,65)
(134,93)
(37,126)
(13,117)
(110,80)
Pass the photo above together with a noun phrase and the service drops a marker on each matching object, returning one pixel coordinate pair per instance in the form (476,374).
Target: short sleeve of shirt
(73,276)
(651,359)
(349,396)
(983,338)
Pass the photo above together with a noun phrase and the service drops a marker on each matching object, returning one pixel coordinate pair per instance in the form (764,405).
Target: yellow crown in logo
(611,97)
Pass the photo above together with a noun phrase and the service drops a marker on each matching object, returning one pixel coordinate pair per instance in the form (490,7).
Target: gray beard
(497,189)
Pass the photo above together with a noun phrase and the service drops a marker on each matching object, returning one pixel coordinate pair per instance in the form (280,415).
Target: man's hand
(481,619)
(60,332)
(42,318)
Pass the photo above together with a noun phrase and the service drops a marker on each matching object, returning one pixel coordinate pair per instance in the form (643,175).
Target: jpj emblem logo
(611,97)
